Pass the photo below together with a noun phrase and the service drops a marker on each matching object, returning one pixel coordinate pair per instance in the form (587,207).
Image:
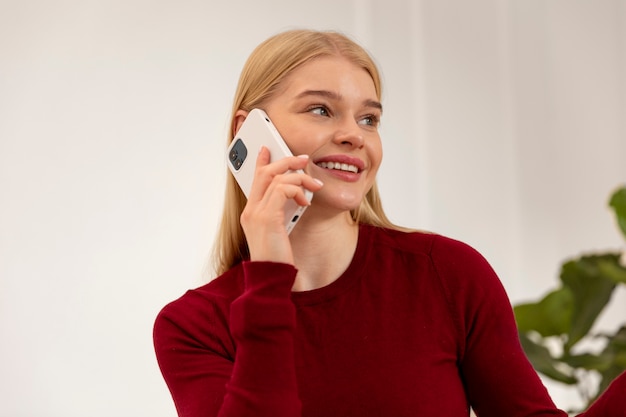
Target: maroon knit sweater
(418,325)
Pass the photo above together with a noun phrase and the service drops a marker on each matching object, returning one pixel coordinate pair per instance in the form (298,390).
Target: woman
(348,315)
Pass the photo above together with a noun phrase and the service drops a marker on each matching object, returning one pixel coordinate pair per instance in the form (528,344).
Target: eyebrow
(334,96)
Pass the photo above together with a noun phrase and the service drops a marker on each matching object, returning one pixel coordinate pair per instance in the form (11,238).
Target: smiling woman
(349,314)
(266,75)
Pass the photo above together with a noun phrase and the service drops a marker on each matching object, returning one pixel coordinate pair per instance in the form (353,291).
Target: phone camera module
(238,154)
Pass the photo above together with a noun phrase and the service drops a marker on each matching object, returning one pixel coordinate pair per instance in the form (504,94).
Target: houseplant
(557,331)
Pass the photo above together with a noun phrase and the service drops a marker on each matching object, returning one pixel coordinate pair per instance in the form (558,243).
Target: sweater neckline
(348,278)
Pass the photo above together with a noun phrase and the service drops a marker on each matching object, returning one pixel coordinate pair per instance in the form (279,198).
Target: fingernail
(303,156)
(318,181)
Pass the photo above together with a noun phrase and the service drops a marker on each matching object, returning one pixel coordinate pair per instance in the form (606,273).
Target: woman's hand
(263,218)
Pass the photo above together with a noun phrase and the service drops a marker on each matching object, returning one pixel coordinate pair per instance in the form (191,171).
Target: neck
(322,250)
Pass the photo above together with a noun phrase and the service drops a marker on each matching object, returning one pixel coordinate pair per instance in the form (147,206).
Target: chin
(344,201)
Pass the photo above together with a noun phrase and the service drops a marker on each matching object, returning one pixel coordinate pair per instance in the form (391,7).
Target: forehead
(332,73)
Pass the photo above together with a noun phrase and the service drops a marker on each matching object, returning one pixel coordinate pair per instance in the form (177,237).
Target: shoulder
(398,240)
(457,265)
(438,247)
(469,282)
(207,304)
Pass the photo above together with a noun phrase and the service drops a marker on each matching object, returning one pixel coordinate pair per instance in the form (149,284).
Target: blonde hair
(260,78)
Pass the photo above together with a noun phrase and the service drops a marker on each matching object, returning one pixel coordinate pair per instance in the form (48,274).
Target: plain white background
(504,126)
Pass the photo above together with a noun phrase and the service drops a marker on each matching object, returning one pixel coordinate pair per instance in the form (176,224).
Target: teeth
(339,166)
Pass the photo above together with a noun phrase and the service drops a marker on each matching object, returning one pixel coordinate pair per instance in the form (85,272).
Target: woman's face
(328,109)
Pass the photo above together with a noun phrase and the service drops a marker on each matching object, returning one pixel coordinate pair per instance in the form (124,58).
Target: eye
(319,110)
(370,120)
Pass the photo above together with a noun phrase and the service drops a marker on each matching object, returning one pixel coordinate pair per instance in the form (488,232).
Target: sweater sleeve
(204,380)
(499,379)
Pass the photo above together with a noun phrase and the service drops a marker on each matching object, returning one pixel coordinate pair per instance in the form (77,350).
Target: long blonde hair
(260,78)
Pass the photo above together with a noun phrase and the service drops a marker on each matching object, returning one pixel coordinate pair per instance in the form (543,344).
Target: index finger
(265,170)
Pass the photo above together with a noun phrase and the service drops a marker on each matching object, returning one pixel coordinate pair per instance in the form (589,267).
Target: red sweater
(418,325)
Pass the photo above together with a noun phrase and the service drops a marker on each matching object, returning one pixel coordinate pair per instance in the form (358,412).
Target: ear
(240,116)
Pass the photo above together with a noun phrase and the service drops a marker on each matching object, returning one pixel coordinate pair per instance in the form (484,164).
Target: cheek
(292,133)
(294,140)
(376,154)
(301,141)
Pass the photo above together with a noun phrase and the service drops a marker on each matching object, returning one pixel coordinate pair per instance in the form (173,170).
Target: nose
(349,134)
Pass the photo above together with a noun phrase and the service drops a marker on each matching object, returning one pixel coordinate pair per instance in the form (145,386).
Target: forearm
(262,322)
(232,357)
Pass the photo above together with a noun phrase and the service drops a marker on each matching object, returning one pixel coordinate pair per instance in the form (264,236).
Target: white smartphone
(256,131)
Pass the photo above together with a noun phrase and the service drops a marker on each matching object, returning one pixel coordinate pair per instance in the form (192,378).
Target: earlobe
(240,116)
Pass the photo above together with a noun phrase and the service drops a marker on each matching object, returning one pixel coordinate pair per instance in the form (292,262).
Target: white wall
(504,126)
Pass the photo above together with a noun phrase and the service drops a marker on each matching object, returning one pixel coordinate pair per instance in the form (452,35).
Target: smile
(339,166)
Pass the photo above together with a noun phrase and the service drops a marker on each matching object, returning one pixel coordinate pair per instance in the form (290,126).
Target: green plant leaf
(541,359)
(565,316)
(589,361)
(550,316)
(616,347)
(609,266)
(591,291)
(616,350)
(618,203)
